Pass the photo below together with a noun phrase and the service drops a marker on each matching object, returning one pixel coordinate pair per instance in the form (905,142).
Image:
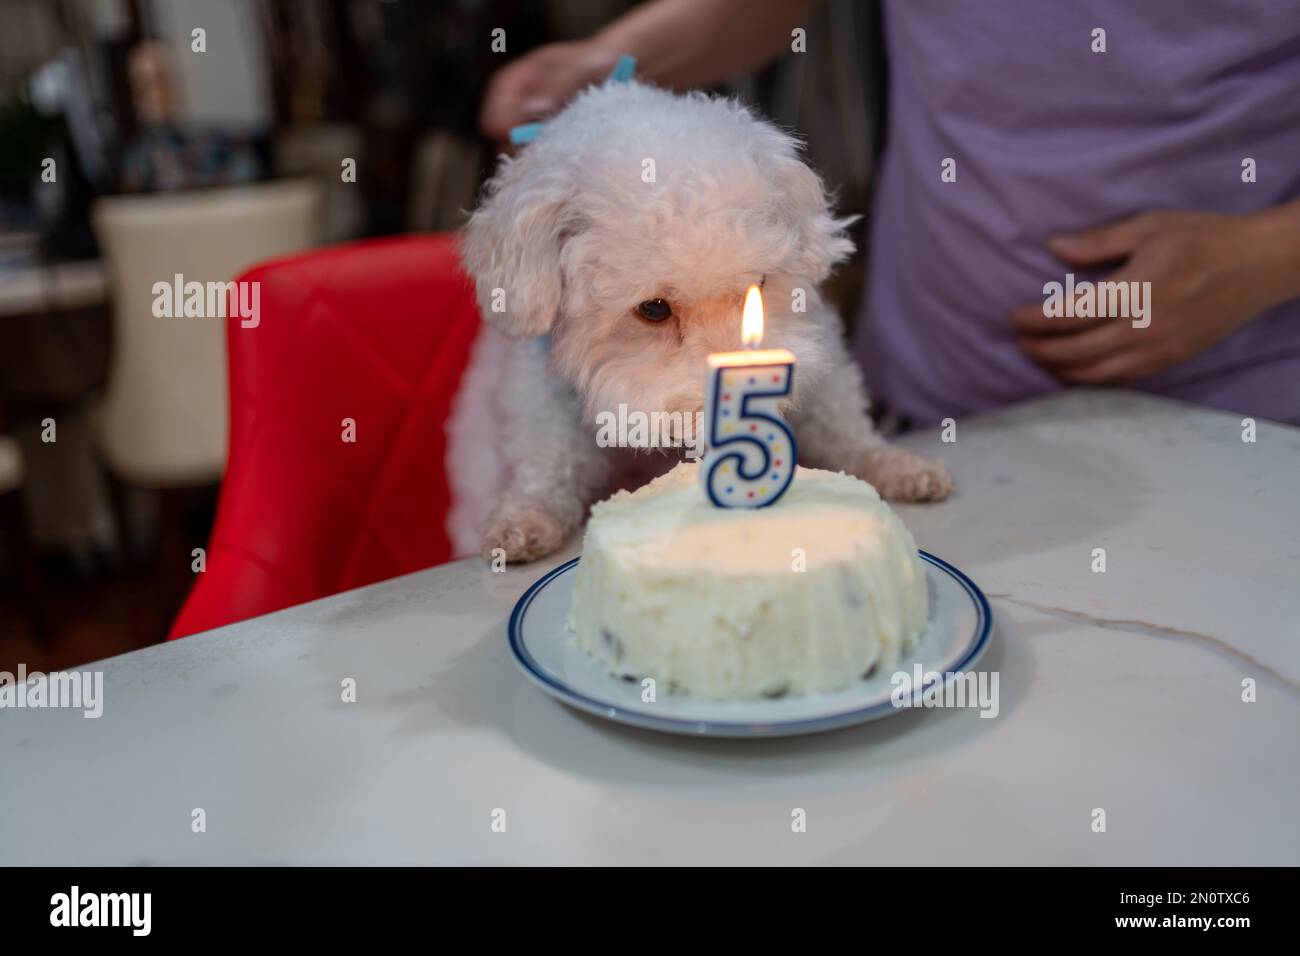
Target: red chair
(377,333)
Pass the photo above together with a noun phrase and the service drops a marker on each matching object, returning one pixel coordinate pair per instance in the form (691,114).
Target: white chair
(163,423)
(318,150)
(444,175)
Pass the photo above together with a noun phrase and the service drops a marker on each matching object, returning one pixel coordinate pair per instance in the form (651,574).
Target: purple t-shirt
(1050,137)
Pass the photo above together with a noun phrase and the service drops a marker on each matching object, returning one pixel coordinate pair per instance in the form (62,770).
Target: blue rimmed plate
(958,631)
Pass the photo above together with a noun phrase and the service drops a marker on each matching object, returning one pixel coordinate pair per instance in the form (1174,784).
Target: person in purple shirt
(1101,193)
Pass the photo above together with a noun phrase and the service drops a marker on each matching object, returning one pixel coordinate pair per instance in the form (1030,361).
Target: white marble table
(1120,690)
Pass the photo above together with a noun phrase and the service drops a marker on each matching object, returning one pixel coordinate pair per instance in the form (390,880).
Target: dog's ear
(512,246)
(822,242)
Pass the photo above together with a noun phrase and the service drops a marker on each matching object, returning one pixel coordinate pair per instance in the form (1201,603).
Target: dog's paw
(523,533)
(901,475)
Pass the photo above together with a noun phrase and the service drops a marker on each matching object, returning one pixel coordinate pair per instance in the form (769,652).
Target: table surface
(1119,690)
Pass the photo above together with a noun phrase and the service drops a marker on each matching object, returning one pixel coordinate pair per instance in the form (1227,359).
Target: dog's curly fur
(570,237)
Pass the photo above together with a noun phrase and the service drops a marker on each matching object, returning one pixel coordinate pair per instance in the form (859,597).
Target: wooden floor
(100,605)
(87,617)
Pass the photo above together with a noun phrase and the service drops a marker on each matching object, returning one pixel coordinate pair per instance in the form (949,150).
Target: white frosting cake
(711,601)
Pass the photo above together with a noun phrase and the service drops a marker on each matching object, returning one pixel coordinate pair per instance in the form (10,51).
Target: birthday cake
(806,596)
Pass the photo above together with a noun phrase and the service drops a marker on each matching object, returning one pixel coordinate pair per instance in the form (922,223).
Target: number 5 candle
(751,454)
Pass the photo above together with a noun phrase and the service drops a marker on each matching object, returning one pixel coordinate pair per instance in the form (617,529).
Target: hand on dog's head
(629,231)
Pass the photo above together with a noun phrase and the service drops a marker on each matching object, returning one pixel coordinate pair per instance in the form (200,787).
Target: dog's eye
(656,310)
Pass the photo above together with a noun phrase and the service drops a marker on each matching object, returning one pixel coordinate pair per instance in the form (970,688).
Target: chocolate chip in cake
(613,643)
(851,589)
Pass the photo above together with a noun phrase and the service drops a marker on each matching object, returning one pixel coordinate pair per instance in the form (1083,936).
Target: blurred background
(127,152)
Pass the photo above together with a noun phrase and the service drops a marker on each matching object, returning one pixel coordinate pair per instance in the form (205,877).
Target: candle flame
(751,321)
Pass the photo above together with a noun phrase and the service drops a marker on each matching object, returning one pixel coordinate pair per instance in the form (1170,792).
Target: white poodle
(615,251)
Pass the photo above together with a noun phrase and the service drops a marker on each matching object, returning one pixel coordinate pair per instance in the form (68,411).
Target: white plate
(958,632)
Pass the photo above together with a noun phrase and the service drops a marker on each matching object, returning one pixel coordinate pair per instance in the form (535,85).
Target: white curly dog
(614,254)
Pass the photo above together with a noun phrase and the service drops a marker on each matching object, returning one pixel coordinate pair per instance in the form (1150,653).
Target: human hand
(540,82)
(1209,274)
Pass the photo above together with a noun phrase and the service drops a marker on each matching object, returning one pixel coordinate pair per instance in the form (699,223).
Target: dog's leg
(554,466)
(835,432)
